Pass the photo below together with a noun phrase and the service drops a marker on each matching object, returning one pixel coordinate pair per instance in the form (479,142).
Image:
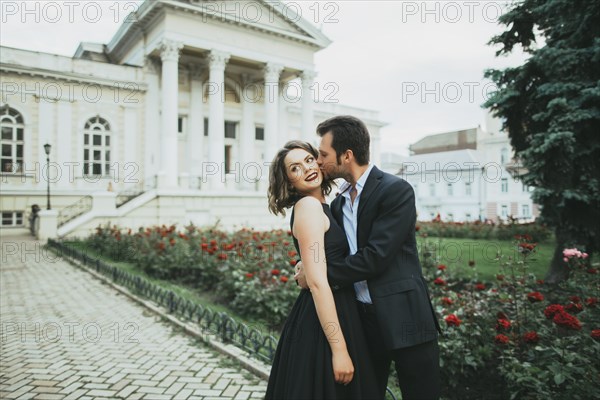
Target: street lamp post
(47,148)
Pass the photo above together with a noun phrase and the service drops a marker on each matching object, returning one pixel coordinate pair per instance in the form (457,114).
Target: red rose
(531,337)
(292,253)
(500,277)
(596,334)
(213,242)
(535,297)
(575,299)
(501,339)
(204,246)
(574,308)
(480,286)
(452,320)
(540,281)
(222,256)
(501,315)
(592,271)
(249,275)
(503,325)
(441,267)
(284,279)
(591,301)
(566,320)
(553,309)
(293,263)
(439,281)
(275,272)
(447,301)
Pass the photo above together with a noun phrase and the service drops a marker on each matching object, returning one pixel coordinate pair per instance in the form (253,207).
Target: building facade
(468,175)
(176,118)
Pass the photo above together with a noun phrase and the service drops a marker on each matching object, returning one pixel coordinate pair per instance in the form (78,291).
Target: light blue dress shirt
(350,215)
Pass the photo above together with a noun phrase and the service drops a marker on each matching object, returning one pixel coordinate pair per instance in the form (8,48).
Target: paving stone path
(66,335)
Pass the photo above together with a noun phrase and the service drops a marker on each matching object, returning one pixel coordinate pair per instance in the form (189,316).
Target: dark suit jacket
(387,258)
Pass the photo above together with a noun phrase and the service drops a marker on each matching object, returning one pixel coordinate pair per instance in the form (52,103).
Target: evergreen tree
(551,110)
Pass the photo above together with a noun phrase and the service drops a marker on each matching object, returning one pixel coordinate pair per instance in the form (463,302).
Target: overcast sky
(419,64)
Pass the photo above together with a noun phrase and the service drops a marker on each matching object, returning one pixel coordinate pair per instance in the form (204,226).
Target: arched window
(12,126)
(96,147)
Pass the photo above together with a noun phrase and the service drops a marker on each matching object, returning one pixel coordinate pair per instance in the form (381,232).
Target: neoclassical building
(468,175)
(174,120)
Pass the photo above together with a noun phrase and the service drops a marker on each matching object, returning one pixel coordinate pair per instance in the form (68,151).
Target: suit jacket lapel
(373,181)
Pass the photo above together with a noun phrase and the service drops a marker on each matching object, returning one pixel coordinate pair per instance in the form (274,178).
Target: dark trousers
(417,366)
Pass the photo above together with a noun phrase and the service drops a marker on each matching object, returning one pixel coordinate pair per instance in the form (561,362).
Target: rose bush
(514,338)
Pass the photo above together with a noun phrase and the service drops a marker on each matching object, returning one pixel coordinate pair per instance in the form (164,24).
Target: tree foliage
(550,106)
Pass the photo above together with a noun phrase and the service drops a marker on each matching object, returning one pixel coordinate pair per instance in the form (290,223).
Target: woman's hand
(343,369)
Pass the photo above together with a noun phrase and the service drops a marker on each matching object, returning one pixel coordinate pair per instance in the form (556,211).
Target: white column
(283,130)
(195,133)
(247,135)
(271,98)
(169,54)
(130,169)
(152,122)
(63,147)
(308,113)
(376,150)
(216,119)
(46,135)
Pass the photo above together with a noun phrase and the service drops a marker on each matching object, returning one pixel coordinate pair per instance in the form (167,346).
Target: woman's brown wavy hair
(281,193)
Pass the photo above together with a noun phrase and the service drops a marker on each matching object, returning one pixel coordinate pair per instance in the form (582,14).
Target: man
(377,212)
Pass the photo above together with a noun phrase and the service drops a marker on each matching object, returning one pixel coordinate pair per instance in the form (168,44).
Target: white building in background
(468,175)
(173,121)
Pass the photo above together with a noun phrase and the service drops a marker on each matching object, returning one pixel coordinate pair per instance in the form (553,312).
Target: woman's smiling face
(303,171)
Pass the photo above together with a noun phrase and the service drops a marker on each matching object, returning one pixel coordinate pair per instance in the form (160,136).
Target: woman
(322,353)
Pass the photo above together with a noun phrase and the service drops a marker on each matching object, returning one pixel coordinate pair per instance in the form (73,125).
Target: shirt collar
(360,184)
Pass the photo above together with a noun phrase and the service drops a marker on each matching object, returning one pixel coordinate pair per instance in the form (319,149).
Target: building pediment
(268,17)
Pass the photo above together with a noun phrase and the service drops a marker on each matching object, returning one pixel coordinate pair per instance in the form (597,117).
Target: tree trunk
(558,271)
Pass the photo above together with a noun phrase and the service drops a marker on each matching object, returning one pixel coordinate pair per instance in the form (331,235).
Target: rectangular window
(181,125)
(450,217)
(259,133)
(227,159)
(450,190)
(205,126)
(504,212)
(467,217)
(525,209)
(468,188)
(12,218)
(432,189)
(230,129)
(504,185)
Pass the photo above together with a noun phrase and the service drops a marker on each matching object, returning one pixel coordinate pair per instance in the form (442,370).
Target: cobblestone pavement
(66,335)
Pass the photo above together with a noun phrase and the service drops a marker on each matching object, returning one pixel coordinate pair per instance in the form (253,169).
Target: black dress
(302,368)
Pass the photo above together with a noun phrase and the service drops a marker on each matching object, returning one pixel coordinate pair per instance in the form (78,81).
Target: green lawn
(456,253)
